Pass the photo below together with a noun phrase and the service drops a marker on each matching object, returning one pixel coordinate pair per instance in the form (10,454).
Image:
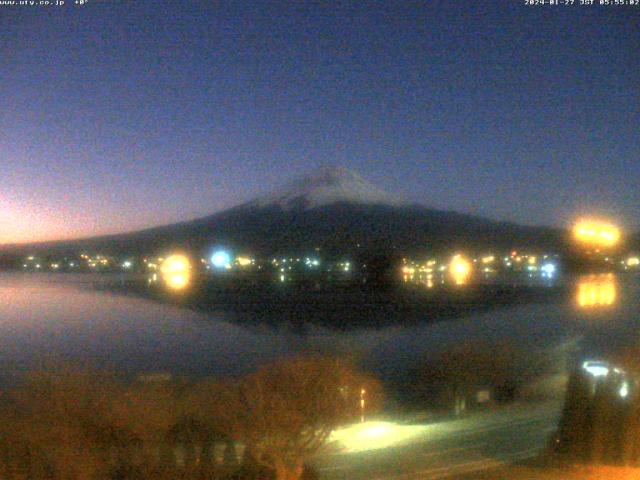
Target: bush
(69,423)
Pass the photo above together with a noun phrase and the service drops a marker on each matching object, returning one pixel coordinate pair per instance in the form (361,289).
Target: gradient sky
(120,115)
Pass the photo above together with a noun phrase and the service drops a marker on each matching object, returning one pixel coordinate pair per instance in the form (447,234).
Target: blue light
(548,270)
(221,259)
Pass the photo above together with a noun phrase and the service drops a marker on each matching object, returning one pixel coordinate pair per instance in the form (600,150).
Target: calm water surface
(44,317)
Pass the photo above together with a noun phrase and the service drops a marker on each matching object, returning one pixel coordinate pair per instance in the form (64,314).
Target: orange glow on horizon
(17,225)
(23,223)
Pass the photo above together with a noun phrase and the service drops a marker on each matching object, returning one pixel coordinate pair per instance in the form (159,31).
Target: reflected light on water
(596,291)
(430,280)
(176,272)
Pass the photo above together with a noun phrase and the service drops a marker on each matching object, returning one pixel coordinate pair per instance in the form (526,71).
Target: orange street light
(176,271)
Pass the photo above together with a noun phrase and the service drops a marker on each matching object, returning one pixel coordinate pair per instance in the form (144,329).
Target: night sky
(121,115)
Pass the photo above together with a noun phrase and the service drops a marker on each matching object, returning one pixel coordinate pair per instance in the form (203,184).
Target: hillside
(335,210)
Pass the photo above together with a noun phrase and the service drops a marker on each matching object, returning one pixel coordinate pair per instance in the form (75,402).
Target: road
(388,451)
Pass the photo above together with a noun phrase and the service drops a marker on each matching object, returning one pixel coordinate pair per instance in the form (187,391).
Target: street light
(221,259)
(176,271)
(460,269)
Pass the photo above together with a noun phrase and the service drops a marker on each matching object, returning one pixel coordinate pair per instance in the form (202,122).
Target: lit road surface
(444,449)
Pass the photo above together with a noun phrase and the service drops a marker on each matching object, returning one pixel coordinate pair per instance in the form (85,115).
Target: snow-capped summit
(324,187)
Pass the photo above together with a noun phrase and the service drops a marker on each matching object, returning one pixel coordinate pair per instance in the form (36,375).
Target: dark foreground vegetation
(601,418)
(67,423)
(470,374)
(599,432)
(555,471)
(71,423)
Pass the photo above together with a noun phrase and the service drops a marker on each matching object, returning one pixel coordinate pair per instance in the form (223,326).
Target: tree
(600,422)
(61,425)
(285,412)
(70,423)
(461,369)
(66,422)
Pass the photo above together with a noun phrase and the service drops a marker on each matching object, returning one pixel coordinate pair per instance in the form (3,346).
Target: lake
(59,317)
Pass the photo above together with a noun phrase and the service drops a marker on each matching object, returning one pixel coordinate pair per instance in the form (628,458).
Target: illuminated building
(596,234)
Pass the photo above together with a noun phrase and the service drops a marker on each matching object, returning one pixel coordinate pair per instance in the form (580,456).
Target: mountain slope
(335,210)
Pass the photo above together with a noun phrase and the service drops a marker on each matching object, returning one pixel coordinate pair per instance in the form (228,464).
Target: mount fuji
(334,210)
(325,187)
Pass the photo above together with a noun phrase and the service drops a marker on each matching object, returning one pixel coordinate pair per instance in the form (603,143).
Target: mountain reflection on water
(54,316)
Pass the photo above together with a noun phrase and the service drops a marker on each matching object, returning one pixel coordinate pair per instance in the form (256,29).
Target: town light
(548,270)
(221,259)
(595,233)
(176,271)
(243,261)
(460,269)
(311,262)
